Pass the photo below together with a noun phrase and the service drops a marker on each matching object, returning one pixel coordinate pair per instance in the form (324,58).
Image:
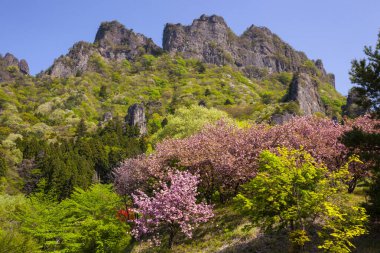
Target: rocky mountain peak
(112,41)
(112,33)
(198,40)
(9,60)
(257,31)
(210,19)
(258,50)
(212,41)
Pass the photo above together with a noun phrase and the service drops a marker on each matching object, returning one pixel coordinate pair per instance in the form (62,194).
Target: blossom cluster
(225,156)
(172,208)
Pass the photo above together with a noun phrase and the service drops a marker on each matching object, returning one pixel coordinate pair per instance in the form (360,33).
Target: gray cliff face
(118,43)
(75,62)
(206,39)
(256,52)
(210,39)
(10,60)
(304,91)
(356,104)
(112,41)
(136,117)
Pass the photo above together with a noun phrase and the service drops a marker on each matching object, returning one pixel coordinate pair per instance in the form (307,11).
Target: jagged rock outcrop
(10,60)
(319,64)
(356,104)
(107,117)
(256,52)
(117,43)
(327,77)
(24,67)
(75,62)
(136,117)
(112,41)
(210,39)
(304,90)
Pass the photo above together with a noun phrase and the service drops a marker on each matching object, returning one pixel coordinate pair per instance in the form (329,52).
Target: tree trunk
(171,238)
(352,184)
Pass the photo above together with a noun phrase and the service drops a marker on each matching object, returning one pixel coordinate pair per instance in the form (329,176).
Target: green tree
(103,92)
(81,128)
(187,121)
(367,145)
(3,166)
(293,192)
(12,239)
(366,73)
(85,222)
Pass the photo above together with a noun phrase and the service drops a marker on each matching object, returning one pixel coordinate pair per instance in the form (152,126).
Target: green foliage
(285,78)
(340,226)
(366,73)
(310,66)
(187,121)
(103,92)
(294,192)
(86,222)
(3,166)
(52,108)
(367,145)
(81,128)
(332,99)
(11,237)
(57,168)
(12,69)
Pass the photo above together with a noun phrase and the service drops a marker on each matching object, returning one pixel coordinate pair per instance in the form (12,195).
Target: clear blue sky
(333,30)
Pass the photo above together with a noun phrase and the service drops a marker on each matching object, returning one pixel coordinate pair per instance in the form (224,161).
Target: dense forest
(166,152)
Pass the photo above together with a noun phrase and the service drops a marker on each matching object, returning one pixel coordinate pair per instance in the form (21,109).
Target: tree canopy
(366,73)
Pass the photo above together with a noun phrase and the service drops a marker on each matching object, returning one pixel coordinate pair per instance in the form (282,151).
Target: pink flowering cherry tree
(170,210)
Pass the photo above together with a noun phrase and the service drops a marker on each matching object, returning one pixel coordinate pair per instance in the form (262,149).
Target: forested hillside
(228,144)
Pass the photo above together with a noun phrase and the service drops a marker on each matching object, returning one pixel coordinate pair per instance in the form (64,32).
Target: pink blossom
(171,209)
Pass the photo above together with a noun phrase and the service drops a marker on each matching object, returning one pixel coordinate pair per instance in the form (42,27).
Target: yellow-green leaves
(293,191)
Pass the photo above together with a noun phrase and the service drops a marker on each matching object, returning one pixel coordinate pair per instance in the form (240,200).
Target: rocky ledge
(10,66)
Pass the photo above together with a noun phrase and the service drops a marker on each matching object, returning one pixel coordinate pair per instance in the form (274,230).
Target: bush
(294,192)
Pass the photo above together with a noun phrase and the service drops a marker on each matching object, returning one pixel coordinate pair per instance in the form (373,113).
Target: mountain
(122,84)
(112,41)
(11,67)
(257,53)
(211,40)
